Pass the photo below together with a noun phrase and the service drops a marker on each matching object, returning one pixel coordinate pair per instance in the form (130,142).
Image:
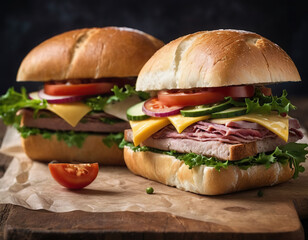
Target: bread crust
(215,59)
(93,150)
(89,53)
(203,180)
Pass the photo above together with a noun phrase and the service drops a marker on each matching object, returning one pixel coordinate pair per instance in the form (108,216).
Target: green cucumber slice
(203,110)
(135,113)
(231,112)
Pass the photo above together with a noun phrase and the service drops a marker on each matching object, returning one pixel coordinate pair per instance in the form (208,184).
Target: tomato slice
(237,91)
(78,89)
(193,97)
(153,107)
(74,176)
(187,98)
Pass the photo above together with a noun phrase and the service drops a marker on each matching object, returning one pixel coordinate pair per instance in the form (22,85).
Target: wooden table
(20,223)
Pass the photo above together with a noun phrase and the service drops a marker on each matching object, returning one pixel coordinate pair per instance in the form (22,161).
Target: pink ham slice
(233,132)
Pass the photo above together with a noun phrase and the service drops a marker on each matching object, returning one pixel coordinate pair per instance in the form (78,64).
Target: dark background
(25,24)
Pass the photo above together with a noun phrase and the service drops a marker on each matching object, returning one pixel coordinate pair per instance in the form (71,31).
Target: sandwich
(88,78)
(213,125)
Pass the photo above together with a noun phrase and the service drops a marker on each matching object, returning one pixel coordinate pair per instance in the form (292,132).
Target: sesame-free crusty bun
(89,53)
(203,180)
(215,59)
(93,150)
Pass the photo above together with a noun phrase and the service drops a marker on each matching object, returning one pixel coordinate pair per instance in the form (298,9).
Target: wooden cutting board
(27,224)
(245,215)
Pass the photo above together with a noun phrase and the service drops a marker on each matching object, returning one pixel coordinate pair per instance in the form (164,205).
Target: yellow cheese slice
(180,122)
(145,128)
(273,122)
(72,113)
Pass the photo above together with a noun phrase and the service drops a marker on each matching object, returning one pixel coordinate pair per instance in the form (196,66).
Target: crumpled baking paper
(29,184)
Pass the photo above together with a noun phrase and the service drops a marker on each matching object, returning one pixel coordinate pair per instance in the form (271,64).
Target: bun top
(215,59)
(89,53)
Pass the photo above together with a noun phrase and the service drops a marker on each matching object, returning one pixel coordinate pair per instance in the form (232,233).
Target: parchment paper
(29,184)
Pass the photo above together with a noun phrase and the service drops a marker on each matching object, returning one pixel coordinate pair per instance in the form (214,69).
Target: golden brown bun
(203,180)
(214,59)
(89,53)
(93,150)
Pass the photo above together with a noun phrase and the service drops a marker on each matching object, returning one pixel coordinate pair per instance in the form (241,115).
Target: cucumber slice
(231,112)
(135,113)
(203,110)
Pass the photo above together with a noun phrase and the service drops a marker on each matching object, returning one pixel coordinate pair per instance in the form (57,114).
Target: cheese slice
(273,122)
(145,128)
(72,113)
(180,122)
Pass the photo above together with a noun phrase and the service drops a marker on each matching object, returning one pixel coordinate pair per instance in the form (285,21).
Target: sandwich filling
(71,121)
(261,134)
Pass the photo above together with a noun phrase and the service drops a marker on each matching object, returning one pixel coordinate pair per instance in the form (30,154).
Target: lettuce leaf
(120,94)
(113,138)
(98,103)
(296,152)
(260,103)
(292,153)
(13,101)
(194,160)
(71,138)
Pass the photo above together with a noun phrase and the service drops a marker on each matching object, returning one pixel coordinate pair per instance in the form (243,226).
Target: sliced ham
(233,133)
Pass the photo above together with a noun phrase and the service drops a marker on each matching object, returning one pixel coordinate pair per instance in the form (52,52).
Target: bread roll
(203,180)
(216,59)
(89,53)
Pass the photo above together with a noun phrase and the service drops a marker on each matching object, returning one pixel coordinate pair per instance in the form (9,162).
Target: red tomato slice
(153,107)
(237,91)
(78,89)
(184,98)
(194,97)
(74,176)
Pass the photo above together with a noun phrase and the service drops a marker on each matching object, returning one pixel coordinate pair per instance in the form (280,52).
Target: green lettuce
(292,153)
(296,153)
(120,94)
(13,101)
(113,138)
(71,138)
(260,103)
(98,103)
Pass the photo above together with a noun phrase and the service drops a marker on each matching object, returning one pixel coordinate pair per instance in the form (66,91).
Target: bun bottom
(203,180)
(93,150)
